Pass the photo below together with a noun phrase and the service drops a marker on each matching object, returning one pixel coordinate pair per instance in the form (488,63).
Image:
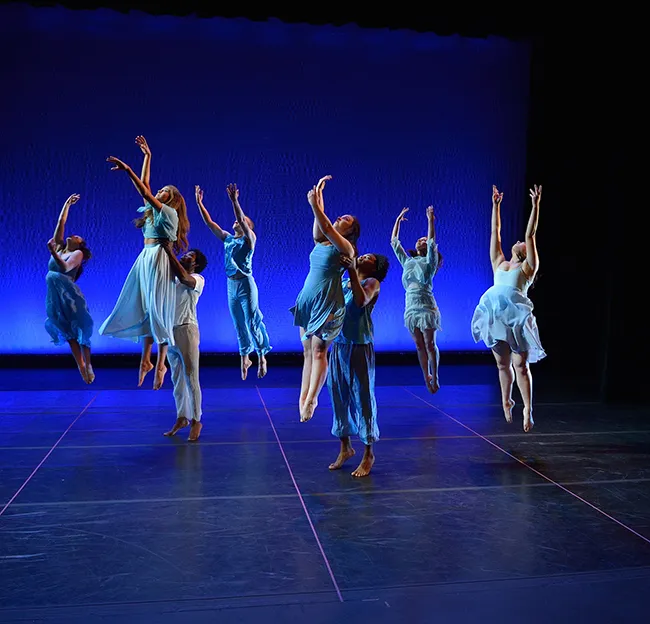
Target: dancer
(504,317)
(184,355)
(145,308)
(351,377)
(421,313)
(68,318)
(243,296)
(320,306)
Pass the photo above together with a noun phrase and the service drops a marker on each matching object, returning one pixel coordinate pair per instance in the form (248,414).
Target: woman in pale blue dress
(504,318)
(320,306)
(421,313)
(68,319)
(146,305)
(243,296)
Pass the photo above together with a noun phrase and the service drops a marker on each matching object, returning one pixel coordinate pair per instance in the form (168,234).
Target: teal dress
(68,317)
(320,305)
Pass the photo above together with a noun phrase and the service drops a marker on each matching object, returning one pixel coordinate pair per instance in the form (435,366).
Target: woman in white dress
(504,317)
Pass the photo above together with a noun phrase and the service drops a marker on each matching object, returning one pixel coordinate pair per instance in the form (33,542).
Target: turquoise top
(238,255)
(357,326)
(164,223)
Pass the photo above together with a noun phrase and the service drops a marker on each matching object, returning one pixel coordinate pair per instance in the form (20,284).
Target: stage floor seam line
(302,502)
(29,478)
(534,470)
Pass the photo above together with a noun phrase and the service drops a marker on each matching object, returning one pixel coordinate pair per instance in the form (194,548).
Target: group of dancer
(158,301)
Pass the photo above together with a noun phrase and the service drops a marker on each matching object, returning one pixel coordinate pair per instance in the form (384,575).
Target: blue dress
(68,317)
(320,305)
(351,373)
(243,296)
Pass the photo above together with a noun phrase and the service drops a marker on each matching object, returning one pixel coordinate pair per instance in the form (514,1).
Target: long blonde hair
(177,202)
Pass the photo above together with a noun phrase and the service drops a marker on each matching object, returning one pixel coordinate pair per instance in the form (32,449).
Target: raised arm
(145,192)
(178,269)
(205,215)
(73,261)
(146,163)
(394,238)
(532,259)
(496,253)
(315,199)
(431,221)
(316,232)
(398,223)
(363,293)
(233,194)
(432,246)
(59,231)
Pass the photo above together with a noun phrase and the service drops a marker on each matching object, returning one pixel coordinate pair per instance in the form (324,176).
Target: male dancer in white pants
(184,356)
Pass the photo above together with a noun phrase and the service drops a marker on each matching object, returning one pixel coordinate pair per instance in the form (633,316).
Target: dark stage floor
(464,519)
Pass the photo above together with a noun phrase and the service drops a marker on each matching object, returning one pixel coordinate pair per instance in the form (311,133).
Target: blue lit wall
(398,118)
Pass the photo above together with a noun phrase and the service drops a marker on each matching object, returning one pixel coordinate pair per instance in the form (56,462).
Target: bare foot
(83,372)
(160,377)
(364,468)
(180,423)
(261,367)
(145,367)
(529,423)
(245,365)
(90,374)
(507,410)
(308,409)
(344,455)
(195,431)
(433,386)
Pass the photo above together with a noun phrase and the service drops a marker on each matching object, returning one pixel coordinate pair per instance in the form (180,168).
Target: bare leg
(433,358)
(344,454)
(245,365)
(306,370)
(318,377)
(145,360)
(79,359)
(90,373)
(367,462)
(261,365)
(525,385)
(503,357)
(161,369)
(423,358)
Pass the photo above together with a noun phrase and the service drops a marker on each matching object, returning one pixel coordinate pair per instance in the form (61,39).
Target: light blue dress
(505,313)
(420,309)
(147,303)
(320,305)
(243,296)
(351,374)
(68,317)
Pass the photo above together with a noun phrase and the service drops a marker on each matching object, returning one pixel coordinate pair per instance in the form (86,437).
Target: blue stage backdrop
(396,117)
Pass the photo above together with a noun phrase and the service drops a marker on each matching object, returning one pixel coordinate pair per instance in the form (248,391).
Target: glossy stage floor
(464,519)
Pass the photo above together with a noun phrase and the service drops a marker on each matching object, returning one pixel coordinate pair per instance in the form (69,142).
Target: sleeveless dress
(243,296)
(68,317)
(506,313)
(147,303)
(420,308)
(320,305)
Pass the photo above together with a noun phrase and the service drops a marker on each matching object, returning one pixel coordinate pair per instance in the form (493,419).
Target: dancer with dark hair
(68,318)
(145,308)
(184,355)
(351,377)
(243,295)
(320,306)
(504,318)
(421,312)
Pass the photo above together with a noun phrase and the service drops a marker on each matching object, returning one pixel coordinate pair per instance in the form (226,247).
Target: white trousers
(184,360)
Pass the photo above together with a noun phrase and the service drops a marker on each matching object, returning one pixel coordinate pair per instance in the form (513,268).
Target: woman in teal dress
(320,306)
(243,296)
(68,318)
(421,313)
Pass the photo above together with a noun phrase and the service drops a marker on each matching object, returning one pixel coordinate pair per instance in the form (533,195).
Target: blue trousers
(243,301)
(351,384)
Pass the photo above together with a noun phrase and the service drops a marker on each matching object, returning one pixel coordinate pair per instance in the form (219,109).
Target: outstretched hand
(165,243)
(233,192)
(496,196)
(143,145)
(312,198)
(73,199)
(430,214)
(119,165)
(401,216)
(536,194)
(51,245)
(198,194)
(349,263)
